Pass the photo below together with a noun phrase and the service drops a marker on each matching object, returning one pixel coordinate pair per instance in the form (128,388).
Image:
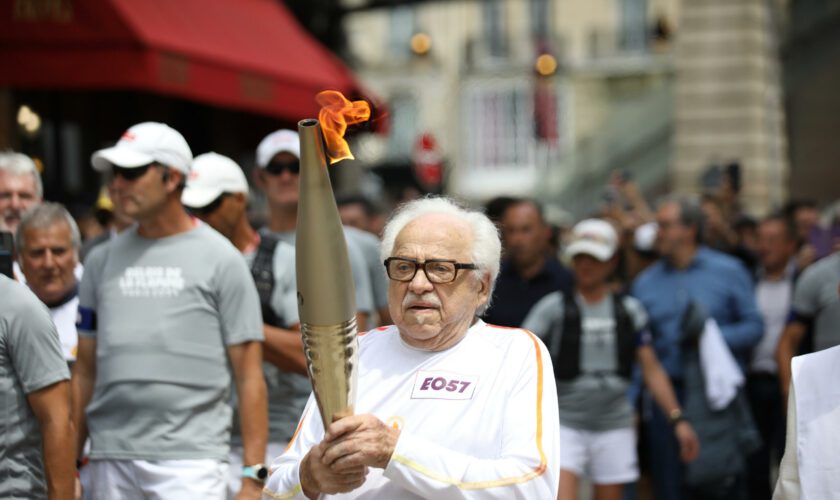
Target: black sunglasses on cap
(209,208)
(278,167)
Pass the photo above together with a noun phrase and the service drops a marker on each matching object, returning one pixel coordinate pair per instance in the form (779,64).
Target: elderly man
(169,319)
(448,406)
(48,252)
(20,188)
(36,440)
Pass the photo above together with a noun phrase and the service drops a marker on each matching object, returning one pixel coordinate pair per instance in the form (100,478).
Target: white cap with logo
(212,174)
(593,237)
(145,143)
(281,141)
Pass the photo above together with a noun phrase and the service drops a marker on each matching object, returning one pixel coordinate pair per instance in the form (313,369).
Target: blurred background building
(526,97)
(548,98)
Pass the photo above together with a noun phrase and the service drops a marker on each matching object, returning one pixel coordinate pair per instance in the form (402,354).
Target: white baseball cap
(281,141)
(212,174)
(593,237)
(144,143)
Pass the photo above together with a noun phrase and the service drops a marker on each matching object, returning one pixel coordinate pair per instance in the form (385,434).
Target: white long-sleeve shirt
(478,420)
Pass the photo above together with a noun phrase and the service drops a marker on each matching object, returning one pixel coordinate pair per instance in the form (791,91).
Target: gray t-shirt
(361,276)
(163,313)
(30,360)
(815,297)
(597,399)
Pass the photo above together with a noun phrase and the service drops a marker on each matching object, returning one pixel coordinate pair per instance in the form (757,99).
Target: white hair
(44,216)
(487,246)
(19,164)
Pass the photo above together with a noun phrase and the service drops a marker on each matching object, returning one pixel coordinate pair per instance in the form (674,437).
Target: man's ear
(484,288)
(173,179)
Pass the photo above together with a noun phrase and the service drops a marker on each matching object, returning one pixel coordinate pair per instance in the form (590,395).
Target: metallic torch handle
(332,357)
(326,296)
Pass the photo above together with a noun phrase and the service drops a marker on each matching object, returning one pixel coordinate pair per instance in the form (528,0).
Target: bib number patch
(443,385)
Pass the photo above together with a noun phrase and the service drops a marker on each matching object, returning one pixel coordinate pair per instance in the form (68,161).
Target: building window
(507,124)
(633,28)
(540,11)
(494,27)
(402,28)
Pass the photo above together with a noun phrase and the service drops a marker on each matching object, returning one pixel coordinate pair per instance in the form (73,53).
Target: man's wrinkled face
(48,260)
(18,193)
(424,310)
(525,234)
(280,179)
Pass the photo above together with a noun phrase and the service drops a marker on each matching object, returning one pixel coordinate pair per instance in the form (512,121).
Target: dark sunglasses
(209,208)
(278,167)
(130,174)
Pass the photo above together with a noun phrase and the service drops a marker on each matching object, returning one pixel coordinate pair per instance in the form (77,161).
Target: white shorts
(605,457)
(272,451)
(154,479)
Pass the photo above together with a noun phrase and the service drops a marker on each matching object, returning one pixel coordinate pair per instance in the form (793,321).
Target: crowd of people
(163,355)
(665,277)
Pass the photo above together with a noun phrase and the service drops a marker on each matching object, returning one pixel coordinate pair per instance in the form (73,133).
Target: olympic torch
(326,295)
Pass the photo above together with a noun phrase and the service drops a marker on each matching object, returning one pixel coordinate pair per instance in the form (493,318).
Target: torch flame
(337,112)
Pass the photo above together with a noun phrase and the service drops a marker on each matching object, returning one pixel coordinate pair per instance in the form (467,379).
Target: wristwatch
(675,416)
(257,472)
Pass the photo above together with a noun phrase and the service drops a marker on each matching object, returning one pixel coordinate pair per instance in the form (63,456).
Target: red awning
(243,54)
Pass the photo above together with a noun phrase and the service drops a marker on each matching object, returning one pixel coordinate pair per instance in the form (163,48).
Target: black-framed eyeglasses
(130,174)
(209,208)
(436,270)
(278,167)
